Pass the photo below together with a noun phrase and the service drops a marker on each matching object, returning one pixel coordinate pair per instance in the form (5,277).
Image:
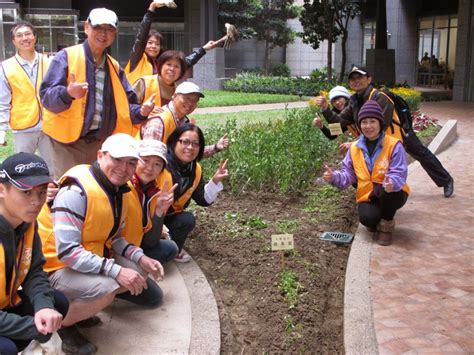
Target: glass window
(369,38)
(8,18)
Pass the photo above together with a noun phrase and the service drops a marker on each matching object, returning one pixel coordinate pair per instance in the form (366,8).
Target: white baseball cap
(102,16)
(187,87)
(150,147)
(121,145)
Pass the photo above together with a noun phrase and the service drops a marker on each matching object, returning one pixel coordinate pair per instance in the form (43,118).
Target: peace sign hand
(165,199)
(221,173)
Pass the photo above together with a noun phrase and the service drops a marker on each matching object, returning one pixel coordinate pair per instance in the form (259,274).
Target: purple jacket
(54,96)
(397,171)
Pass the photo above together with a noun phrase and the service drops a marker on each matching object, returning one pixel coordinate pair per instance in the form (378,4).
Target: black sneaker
(74,342)
(89,322)
(449,188)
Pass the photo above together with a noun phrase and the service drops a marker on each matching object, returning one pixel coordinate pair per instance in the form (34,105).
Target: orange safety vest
(22,266)
(152,86)
(23,112)
(395,130)
(179,204)
(134,230)
(143,68)
(66,127)
(169,124)
(98,221)
(365,180)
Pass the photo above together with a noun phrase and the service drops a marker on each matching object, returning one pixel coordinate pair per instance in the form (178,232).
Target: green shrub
(280,69)
(249,82)
(279,155)
(320,75)
(411,96)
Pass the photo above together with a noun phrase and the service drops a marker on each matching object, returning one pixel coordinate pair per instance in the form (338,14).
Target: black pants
(180,225)
(383,207)
(10,346)
(427,159)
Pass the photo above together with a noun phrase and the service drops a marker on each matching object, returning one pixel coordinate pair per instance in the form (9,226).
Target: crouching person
(36,311)
(377,162)
(86,256)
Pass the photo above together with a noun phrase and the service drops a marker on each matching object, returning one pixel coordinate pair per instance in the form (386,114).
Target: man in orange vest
(87,96)
(20,107)
(29,307)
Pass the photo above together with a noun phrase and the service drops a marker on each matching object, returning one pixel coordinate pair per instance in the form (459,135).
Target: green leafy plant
(290,287)
(287,226)
(256,222)
(280,69)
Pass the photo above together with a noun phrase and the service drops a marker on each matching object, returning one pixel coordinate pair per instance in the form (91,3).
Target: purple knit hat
(371,109)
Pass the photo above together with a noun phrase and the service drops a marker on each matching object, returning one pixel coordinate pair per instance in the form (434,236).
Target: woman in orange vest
(148,46)
(185,149)
(377,162)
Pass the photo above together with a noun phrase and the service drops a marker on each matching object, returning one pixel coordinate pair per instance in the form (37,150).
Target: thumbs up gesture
(321,101)
(148,106)
(327,175)
(76,90)
(387,184)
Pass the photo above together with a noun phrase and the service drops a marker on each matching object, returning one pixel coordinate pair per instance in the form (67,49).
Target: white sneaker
(182,257)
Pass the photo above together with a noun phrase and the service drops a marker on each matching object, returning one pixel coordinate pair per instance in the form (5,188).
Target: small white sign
(335,129)
(282,242)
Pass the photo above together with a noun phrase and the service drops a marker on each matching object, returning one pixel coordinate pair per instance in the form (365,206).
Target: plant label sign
(335,129)
(282,242)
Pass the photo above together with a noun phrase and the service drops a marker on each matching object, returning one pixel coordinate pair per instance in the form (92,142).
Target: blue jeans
(180,225)
(164,251)
(10,346)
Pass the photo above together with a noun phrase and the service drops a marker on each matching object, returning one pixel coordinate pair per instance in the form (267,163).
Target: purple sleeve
(398,170)
(53,90)
(346,176)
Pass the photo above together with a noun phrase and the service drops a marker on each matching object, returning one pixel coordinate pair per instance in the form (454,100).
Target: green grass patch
(7,150)
(290,287)
(216,98)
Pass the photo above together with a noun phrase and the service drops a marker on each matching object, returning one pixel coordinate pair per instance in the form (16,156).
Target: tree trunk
(331,27)
(343,59)
(267,58)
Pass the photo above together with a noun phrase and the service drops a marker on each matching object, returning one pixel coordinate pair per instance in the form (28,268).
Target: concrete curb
(359,330)
(205,323)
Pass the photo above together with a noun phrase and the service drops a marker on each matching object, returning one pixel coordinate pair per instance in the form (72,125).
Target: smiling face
(184,104)
(170,71)
(370,128)
(24,39)
(359,82)
(149,169)
(187,147)
(99,37)
(153,47)
(117,170)
(19,206)
(339,102)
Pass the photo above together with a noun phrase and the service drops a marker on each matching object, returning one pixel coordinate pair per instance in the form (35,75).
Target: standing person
(87,257)
(148,47)
(175,114)
(361,82)
(20,106)
(30,308)
(339,98)
(377,162)
(185,150)
(87,97)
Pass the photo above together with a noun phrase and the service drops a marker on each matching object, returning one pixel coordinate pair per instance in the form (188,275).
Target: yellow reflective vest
(66,126)
(98,221)
(179,204)
(25,112)
(143,68)
(21,269)
(395,130)
(366,180)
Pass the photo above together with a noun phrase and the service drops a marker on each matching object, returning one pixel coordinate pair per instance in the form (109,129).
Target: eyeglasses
(187,142)
(25,34)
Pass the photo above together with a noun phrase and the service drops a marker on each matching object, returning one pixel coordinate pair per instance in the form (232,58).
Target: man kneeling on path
(86,256)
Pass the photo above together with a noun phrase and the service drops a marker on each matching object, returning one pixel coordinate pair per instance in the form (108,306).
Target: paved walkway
(420,291)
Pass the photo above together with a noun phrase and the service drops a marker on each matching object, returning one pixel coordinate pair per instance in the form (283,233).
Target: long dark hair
(176,135)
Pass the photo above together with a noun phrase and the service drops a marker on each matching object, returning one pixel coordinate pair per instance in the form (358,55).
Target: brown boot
(384,232)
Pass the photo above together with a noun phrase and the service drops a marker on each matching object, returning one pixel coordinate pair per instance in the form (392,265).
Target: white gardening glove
(168,3)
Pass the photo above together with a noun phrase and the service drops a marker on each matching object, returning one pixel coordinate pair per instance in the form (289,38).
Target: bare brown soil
(244,273)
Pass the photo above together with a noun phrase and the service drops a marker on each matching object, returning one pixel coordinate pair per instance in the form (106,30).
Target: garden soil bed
(233,247)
